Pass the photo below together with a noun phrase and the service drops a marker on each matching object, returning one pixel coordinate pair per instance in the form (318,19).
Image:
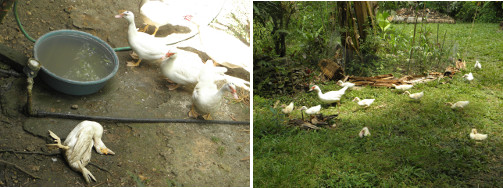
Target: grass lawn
(412,143)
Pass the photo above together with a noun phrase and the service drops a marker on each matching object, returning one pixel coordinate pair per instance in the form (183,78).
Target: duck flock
(331,97)
(179,66)
(184,68)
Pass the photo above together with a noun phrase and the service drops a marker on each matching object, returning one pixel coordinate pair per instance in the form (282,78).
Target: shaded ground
(154,154)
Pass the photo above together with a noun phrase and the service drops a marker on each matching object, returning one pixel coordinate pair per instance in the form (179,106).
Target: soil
(159,154)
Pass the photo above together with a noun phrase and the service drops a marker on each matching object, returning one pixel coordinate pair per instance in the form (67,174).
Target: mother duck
(147,47)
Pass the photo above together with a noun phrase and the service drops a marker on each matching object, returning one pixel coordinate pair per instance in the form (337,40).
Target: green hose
(119,49)
(20,25)
(33,40)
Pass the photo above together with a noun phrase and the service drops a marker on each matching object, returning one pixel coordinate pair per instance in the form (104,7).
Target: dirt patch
(146,154)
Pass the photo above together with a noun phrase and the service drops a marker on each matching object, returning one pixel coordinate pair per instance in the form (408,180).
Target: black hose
(133,120)
(10,73)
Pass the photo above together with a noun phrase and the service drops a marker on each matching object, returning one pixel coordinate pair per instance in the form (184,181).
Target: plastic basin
(68,86)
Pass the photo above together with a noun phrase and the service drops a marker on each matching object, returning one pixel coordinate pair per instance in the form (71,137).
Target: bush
(489,12)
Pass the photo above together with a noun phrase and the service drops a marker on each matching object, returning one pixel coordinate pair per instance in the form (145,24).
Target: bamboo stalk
(438,27)
(371,13)
(412,45)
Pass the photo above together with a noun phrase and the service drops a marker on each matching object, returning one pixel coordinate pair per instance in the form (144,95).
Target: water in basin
(75,59)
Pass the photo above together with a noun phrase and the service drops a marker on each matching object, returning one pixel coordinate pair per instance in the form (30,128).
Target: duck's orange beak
(119,15)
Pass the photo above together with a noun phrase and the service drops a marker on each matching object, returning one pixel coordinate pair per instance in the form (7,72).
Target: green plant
(136,179)
(221,151)
(383,22)
(215,139)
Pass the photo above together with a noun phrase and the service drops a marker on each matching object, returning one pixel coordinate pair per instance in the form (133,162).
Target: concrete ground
(158,154)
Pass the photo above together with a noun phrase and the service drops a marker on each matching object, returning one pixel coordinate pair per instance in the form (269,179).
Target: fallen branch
(28,152)
(19,168)
(97,185)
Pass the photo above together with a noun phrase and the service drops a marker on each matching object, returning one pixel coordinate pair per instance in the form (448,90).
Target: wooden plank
(13,58)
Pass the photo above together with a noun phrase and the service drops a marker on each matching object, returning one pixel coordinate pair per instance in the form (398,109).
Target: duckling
(312,110)
(78,146)
(478,65)
(364,132)
(477,136)
(287,109)
(364,102)
(459,104)
(402,87)
(468,76)
(206,97)
(344,84)
(415,96)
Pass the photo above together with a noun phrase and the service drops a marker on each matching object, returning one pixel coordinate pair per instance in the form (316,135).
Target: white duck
(159,13)
(224,48)
(331,96)
(402,87)
(468,76)
(478,65)
(78,146)
(477,136)
(287,109)
(459,104)
(206,97)
(415,96)
(364,102)
(146,46)
(183,68)
(311,111)
(364,132)
(344,84)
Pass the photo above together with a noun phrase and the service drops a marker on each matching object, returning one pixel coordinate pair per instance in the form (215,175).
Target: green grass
(412,144)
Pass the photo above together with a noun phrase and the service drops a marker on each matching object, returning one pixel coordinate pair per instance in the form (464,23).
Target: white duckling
(364,132)
(183,68)
(468,76)
(217,44)
(287,109)
(415,96)
(364,102)
(206,98)
(344,84)
(311,111)
(78,146)
(331,96)
(478,65)
(459,104)
(477,136)
(402,87)
(146,46)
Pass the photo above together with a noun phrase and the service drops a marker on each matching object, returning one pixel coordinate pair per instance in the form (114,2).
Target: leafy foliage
(383,22)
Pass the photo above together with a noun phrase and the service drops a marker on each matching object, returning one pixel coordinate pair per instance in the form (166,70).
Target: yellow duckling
(287,109)
(364,132)
(78,145)
(477,136)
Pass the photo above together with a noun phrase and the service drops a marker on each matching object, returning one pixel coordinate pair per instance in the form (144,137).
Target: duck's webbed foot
(207,117)
(193,113)
(87,174)
(58,142)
